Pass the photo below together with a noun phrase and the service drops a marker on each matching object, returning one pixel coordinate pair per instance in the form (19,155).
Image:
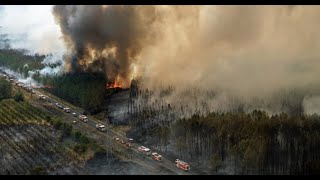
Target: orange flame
(114,85)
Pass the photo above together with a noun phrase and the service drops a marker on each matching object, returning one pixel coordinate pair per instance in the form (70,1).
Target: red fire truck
(156,156)
(182,165)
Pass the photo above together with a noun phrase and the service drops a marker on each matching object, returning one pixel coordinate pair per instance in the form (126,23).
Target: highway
(106,138)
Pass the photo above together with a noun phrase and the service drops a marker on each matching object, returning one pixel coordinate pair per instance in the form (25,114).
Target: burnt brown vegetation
(35,142)
(29,143)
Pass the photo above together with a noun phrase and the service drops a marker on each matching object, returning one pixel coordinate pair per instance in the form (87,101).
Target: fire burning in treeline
(113,85)
(102,39)
(246,52)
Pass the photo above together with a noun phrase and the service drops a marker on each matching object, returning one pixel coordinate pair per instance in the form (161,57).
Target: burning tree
(113,85)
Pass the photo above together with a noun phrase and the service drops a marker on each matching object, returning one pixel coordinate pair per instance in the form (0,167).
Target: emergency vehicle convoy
(154,155)
(127,144)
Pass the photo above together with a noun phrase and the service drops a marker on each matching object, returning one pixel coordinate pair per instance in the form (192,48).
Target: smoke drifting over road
(33,30)
(242,51)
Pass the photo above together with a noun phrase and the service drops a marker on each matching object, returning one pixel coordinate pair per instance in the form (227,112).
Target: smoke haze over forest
(249,55)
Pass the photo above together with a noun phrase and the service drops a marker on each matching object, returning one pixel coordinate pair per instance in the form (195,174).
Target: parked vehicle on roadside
(42,97)
(101,127)
(129,145)
(122,141)
(67,110)
(83,118)
(59,105)
(182,165)
(144,150)
(156,156)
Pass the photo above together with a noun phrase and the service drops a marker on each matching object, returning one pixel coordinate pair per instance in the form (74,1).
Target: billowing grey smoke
(104,38)
(251,53)
(32,30)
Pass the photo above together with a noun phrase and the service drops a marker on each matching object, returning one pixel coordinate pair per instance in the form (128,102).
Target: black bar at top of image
(158,2)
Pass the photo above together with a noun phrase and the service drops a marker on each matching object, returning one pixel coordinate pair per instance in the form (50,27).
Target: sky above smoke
(243,51)
(31,27)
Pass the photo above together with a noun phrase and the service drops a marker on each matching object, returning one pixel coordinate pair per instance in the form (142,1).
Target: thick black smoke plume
(104,38)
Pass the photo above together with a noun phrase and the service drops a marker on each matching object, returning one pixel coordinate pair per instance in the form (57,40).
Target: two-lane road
(106,138)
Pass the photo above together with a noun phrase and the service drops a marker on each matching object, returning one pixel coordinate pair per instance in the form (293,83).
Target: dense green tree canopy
(5,89)
(17,60)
